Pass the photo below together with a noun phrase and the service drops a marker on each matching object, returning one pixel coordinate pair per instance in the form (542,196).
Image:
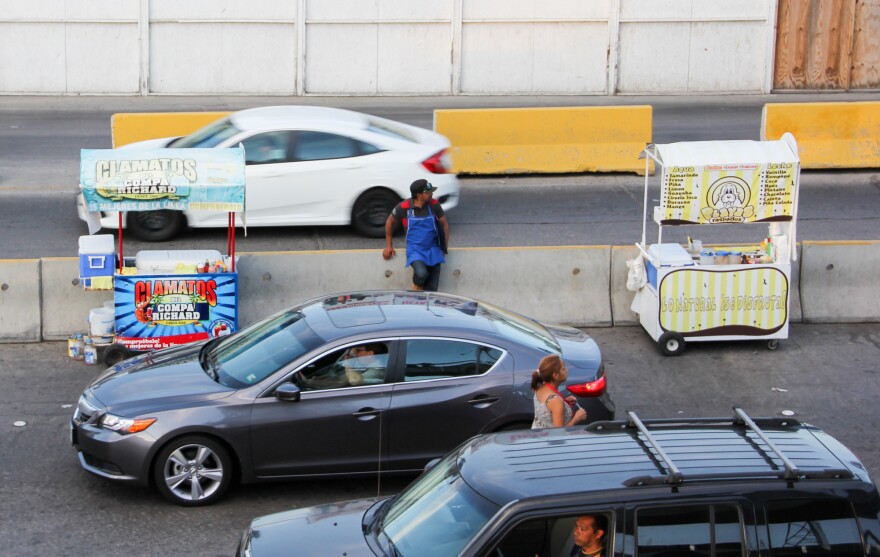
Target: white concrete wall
(385,47)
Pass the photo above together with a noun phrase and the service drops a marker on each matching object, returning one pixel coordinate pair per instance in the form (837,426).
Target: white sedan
(309,165)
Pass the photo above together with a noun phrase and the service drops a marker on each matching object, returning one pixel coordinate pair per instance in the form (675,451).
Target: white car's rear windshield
(209,136)
(387,128)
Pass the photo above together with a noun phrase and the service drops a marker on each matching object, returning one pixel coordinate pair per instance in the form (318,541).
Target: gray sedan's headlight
(125,425)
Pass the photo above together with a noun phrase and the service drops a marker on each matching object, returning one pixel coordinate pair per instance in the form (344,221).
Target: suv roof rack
(673,474)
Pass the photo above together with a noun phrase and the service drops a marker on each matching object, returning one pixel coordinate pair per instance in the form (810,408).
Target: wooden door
(827,44)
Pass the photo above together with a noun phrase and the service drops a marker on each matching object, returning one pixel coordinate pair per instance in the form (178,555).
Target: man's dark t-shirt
(399,212)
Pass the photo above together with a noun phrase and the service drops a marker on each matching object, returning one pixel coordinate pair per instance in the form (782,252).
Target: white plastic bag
(637,277)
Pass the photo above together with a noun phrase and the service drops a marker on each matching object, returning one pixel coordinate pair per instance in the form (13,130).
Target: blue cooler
(97,258)
(666,255)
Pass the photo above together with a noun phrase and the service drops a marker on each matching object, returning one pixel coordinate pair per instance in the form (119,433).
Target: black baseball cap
(419,186)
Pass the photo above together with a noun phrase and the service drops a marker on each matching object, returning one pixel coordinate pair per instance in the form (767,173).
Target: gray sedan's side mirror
(288,392)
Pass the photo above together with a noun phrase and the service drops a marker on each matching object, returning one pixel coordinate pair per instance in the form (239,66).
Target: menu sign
(727,193)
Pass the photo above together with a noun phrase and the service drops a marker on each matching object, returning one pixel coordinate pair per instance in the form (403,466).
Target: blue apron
(422,243)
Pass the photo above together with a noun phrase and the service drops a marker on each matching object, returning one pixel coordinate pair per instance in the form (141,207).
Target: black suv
(710,487)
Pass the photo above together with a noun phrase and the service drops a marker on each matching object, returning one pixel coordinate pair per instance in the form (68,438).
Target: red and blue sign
(159,311)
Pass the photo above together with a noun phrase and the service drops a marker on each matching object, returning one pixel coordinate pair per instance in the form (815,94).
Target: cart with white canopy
(692,294)
(166,298)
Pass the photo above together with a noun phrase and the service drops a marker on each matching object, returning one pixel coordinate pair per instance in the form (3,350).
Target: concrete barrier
(621,298)
(131,127)
(838,282)
(546,140)
(562,285)
(567,285)
(583,286)
(64,304)
(829,134)
(20,300)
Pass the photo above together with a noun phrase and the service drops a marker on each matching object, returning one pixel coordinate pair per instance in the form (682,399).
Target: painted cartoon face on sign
(727,200)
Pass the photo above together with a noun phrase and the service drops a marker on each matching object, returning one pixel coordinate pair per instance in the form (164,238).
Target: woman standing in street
(551,408)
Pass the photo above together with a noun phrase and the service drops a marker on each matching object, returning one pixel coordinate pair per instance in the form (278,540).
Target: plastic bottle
(90,352)
(78,347)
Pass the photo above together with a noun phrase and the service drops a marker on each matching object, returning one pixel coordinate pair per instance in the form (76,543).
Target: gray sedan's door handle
(483,401)
(366,413)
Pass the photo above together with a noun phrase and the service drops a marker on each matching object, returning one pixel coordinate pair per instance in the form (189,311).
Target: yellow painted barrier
(130,127)
(546,140)
(830,134)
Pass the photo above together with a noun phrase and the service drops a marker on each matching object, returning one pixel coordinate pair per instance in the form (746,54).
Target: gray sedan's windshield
(209,136)
(438,514)
(262,349)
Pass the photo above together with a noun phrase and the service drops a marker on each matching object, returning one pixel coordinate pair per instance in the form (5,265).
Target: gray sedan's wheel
(371,210)
(155,226)
(193,471)
(115,353)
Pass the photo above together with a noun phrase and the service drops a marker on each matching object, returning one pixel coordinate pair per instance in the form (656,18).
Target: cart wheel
(671,344)
(115,353)
(773,344)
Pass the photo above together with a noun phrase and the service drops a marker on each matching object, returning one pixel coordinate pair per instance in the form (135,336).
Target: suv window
(554,536)
(440,359)
(813,527)
(693,530)
(437,514)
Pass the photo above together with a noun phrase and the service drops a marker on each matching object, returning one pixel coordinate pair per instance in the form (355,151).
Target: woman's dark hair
(546,368)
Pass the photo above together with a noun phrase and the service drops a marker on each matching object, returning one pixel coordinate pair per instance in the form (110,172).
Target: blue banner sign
(150,179)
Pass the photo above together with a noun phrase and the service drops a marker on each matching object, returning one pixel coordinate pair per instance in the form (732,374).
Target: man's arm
(388,252)
(445,223)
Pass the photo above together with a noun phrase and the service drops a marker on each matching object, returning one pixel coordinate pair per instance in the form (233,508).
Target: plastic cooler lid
(98,243)
(670,254)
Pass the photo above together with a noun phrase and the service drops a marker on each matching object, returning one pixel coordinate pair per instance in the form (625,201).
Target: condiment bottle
(78,347)
(90,352)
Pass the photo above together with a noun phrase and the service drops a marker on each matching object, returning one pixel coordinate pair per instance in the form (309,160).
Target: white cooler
(166,261)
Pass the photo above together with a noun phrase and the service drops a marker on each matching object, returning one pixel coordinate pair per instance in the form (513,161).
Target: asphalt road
(40,138)
(825,374)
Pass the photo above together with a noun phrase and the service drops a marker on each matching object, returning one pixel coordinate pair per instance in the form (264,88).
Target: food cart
(164,298)
(696,293)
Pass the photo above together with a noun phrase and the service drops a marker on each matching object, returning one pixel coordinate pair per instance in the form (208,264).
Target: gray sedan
(353,384)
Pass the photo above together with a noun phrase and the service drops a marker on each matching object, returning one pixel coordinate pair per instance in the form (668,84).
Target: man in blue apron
(427,234)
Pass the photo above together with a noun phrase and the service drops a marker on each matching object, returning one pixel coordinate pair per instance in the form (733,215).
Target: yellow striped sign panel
(748,302)
(727,193)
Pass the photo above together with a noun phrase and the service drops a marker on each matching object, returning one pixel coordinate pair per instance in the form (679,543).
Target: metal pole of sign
(121,260)
(232,241)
